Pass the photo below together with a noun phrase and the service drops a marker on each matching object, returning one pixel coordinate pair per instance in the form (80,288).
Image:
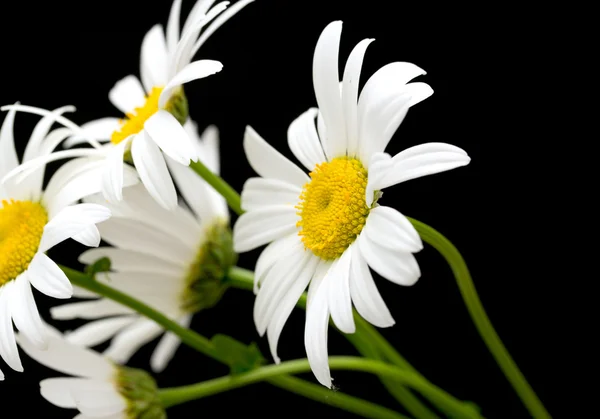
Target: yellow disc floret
(332,207)
(134,121)
(21,228)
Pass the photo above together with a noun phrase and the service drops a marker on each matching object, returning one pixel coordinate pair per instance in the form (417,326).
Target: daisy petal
(398,267)
(304,141)
(270,255)
(194,71)
(170,136)
(130,339)
(98,399)
(57,391)
(88,310)
(112,178)
(326,82)
(153,62)
(167,346)
(153,171)
(48,278)
(98,331)
(101,129)
(259,193)
(173,27)
(89,237)
(365,296)
(8,344)
(255,228)
(125,260)
(8,154)
(25,313)
(127,94)
(338,293)
(269,163)
(392,230)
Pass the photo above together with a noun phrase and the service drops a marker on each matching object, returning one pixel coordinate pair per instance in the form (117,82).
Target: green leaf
(240,358)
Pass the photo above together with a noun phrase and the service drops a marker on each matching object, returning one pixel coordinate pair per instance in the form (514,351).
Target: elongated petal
(127,94)
(304,141)
(326,82)
(153,171)
(112,177)
(260,193)
(364,293)
(193,71)
(338,293)
(170,136)
(166,348)
(270,255)
(25,312)
(57,391)
(90,236)
(98,399)
(129,340)
(8,344)
(126,260)
(8,154)
(48,278)
(153,60)
(173,27)
(269,163)
(98,331)
(392,230)
(101,129)
(89,310)
(255,228)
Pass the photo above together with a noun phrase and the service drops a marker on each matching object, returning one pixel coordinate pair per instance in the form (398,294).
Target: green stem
(230,194)
(205,346)
(480,318)
(182,394)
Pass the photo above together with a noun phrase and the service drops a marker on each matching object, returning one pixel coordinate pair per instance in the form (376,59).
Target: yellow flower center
(332,207)
(134,121)
(21,228)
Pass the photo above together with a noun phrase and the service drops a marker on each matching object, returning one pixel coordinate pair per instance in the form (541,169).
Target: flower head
(173,261)
(98,388)
(326,229)
(33,220)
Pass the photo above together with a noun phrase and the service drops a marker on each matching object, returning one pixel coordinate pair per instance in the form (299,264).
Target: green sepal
(240,358)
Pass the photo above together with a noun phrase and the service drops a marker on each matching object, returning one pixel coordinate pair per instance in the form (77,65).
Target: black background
(481,63)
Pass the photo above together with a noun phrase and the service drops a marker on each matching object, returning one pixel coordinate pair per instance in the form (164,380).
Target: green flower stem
(480,318)
(366,340)
(195,391)
(230,194)
(205,346)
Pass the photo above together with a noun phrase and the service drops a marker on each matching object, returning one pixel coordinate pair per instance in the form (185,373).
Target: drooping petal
(8,345)
(269,163)
(270,255)
(71,221)
(8,154)
(89,310)
(193,71)
(170,136)
(127,94)
(167,346)
(260,193)
(326,82)
(112,176)
(173,28)
(392,230)
(98,331)
(258,227)
(398,267)
(130,339)
(153,171)
(364,293)
(350,94)
(48,278)
(337,287)
(25,313)
(153,60)
(304,141)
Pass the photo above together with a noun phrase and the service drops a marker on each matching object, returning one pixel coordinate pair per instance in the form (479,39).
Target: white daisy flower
(155,108)
(327,229)
(98,388)
(33,220)
(171,260)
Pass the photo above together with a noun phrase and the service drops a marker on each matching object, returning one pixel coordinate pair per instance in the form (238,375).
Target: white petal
(270,255)
(145,283)
(269,163)
(392,230)
(365,296)
(57,391)
(68,358)
(112,178)
(337,287)
(350,93)
(8,344)
(8,154)
(287,302)
(170,136)
(127,94)
(153,62)
(98,399)
(98,331)
(255,228)
(101,129)
(167,346)
(196,70)
(422,160)
(89,237)
(260,193)
(129,340)
(70,170)
(25,312)
(125,260)
(153,171)
(398,267)
(304,141)
(173,27)
(48,278)
(326,82)
(71,221)
(276,284)
(315,331)
(88,310)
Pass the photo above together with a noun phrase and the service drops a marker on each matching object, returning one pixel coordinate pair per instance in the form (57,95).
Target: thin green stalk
(205,346)
(230,194)
(182,394)
(480,318)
